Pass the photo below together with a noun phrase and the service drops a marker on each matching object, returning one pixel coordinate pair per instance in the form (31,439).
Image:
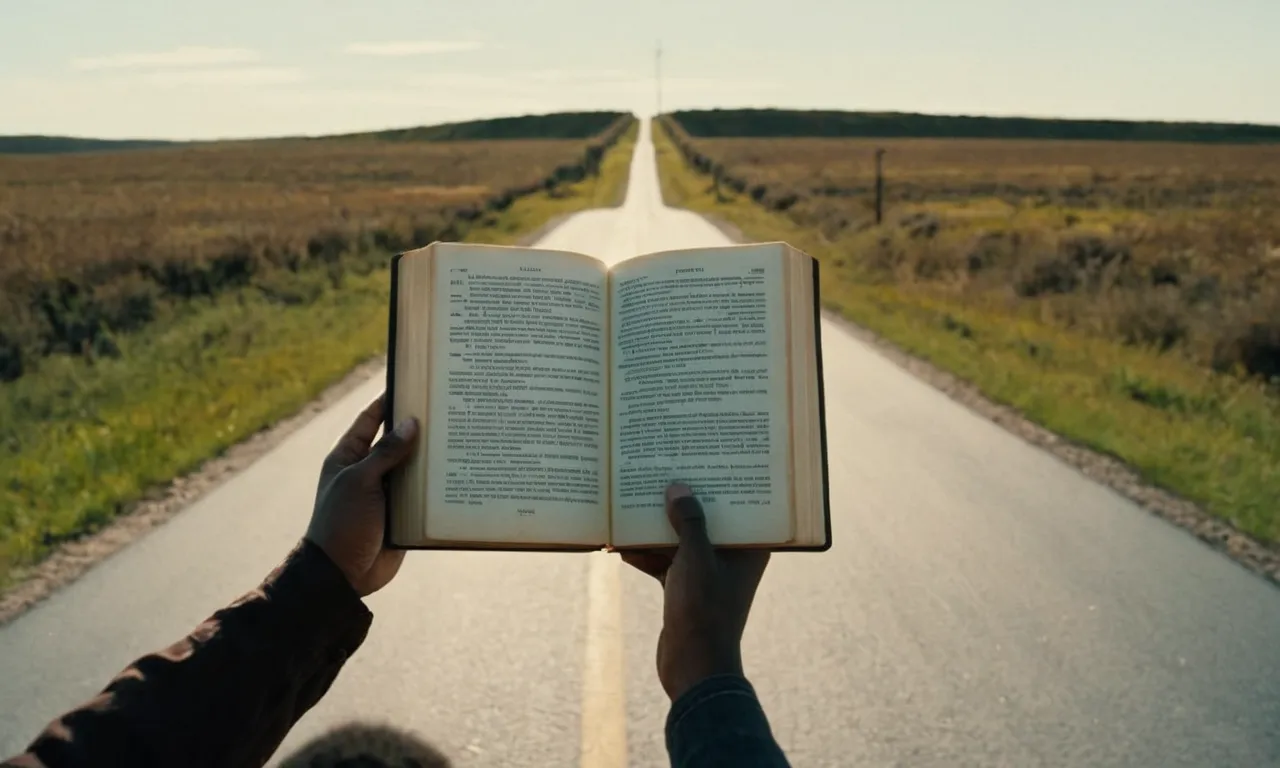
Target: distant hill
(562,125)
(45,145)
(768,123)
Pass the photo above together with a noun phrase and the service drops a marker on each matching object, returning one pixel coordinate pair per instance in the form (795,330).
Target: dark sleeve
(719,722)
(227,694)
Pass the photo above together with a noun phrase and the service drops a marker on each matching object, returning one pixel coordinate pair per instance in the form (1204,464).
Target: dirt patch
(71,560)
(1217,533)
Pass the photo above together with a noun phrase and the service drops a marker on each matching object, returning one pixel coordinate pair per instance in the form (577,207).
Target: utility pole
(657,73)
(879,185)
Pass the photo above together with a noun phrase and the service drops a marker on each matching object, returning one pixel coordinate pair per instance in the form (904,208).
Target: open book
(558,397)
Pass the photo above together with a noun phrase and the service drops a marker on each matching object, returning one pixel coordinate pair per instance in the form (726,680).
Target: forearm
(719,722)
(227,694)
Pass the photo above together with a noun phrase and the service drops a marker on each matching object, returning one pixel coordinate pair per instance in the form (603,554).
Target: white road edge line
(604,701)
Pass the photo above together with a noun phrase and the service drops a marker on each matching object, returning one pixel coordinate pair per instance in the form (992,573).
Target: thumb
(392,450)
(684,511)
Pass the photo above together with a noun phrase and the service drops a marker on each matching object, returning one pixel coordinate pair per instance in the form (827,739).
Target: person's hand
(349,516)
(707,595)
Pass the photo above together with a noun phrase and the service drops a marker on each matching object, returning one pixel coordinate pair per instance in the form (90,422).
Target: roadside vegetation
(161,305)
(1125,295)
(783,123)
(560,125)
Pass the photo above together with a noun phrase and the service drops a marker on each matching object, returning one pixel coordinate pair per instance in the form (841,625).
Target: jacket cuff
(721,710)
(316,606)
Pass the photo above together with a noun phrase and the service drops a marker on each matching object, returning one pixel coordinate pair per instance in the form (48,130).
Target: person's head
(363,745)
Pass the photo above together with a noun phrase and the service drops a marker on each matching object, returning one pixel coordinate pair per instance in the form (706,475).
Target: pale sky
(232,68)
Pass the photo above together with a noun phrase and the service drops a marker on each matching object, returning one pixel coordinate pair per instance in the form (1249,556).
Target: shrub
(988,250)
(1093,254)
(293,289)
(1048,274)
(1252,346)
(1152,319)
(921,225)
(10,359)
(129,304)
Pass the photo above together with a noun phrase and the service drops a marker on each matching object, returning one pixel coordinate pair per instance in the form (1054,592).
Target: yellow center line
(604,701)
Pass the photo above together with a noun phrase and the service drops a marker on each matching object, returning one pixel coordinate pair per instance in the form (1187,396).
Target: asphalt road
(983,604)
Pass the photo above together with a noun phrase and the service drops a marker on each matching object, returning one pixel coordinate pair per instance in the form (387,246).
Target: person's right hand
(350,510)
(707,594)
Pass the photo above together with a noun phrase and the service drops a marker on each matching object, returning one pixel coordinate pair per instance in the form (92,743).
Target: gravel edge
(1101,468)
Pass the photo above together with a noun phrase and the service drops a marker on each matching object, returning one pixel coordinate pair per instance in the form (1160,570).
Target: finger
(653,563)
(392,450)
(685,513)
(354,444)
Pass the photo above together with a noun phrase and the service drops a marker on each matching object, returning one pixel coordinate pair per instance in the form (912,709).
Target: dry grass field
(93,242)
(159,305)
(1175,246)
(1124,294)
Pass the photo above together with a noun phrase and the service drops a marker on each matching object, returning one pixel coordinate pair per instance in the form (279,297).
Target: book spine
(822,400)
(389,392)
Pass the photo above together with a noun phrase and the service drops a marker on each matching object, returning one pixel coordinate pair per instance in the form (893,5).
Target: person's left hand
(349,515)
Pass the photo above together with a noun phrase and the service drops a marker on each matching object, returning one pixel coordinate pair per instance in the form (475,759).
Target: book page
(699,383)
(517,438)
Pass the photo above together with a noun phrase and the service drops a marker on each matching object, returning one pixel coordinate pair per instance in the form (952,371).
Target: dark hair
(363,745)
